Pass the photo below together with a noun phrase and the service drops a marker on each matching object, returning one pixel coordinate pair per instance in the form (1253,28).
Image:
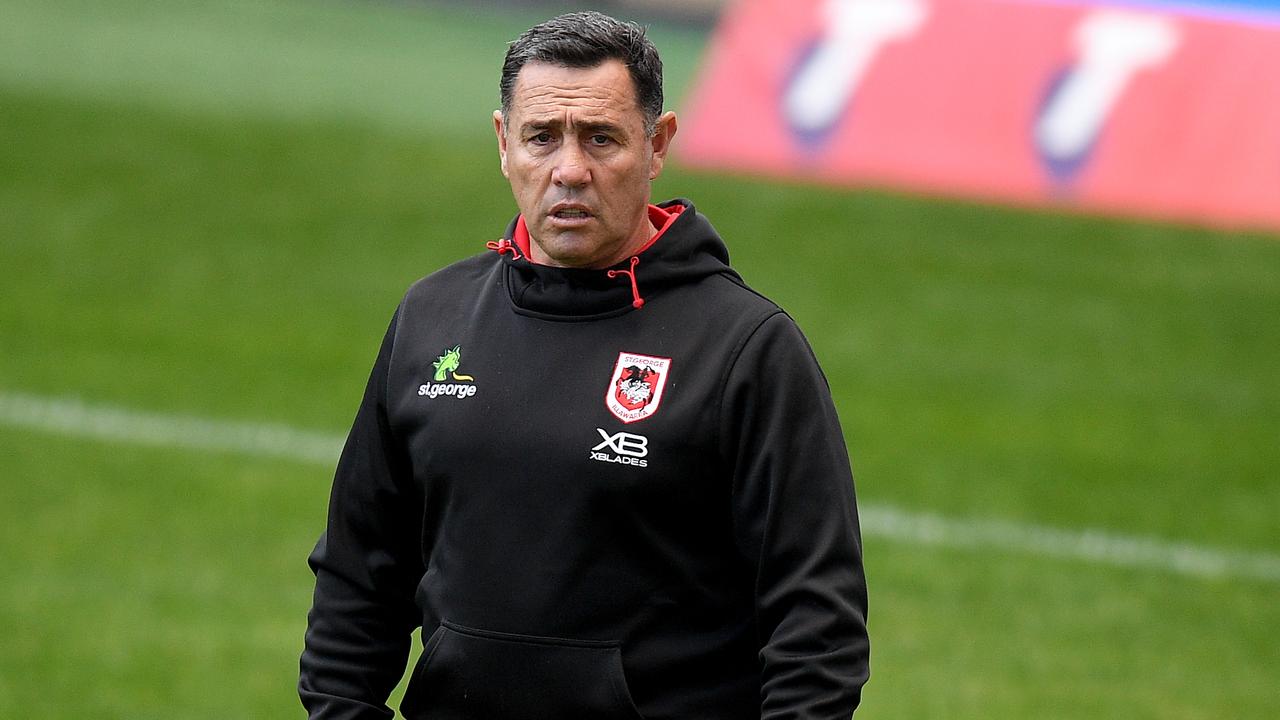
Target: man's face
(579,160)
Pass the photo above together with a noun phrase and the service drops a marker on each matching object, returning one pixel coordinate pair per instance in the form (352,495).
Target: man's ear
(500,129)
(664,131)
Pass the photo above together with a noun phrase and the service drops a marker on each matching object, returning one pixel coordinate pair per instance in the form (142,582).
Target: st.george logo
(446,367)
(635,392)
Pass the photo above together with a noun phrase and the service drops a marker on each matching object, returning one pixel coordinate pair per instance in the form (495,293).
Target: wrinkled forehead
(545,92)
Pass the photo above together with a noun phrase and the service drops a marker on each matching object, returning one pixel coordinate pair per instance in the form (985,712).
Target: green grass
(150,584)
(212,209)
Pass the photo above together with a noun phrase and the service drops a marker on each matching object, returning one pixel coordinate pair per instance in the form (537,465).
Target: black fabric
(690,251)
(543,678)
(702,561)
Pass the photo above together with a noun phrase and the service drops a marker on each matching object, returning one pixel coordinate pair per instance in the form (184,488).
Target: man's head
(584,40)
(581,134)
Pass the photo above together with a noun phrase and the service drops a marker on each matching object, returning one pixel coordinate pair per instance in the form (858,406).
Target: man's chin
(576,250)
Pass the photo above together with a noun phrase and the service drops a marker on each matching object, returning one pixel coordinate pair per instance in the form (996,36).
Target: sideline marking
(77,419)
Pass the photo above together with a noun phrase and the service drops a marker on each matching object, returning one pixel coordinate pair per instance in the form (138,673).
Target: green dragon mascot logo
(448,363)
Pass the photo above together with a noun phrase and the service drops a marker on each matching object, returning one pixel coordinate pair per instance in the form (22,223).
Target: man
(604,476)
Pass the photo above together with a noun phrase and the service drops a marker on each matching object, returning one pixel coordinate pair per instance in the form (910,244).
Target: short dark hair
(584,40)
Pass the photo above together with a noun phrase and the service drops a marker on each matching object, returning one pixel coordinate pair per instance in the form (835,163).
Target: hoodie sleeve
(367,566)
(796,522)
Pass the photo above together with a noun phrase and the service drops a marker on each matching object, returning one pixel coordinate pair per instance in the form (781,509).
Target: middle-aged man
(603,475)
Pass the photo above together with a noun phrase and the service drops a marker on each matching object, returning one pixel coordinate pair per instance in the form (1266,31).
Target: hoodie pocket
(470,674)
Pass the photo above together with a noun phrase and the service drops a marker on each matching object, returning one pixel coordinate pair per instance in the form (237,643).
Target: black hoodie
(602,494)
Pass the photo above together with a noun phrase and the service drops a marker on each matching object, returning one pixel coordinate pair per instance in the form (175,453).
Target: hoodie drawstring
(637,301)
(504,246)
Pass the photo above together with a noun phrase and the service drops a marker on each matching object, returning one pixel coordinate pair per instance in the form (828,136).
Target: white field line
(76,419)
(1095,546)
(99,422)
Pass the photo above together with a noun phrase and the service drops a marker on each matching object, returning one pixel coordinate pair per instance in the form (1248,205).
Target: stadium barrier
(1163,109)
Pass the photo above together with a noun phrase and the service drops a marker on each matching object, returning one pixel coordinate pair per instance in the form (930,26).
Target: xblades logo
(622,448)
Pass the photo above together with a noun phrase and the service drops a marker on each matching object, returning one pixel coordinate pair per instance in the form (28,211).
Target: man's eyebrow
(556,124)
(540,124)
(601,126)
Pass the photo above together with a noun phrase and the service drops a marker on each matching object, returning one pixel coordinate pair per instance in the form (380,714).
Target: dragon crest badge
(635,391)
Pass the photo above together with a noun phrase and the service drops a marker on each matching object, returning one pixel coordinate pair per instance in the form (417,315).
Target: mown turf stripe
(75,418)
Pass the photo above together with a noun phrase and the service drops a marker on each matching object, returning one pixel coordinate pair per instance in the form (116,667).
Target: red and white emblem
(636,388)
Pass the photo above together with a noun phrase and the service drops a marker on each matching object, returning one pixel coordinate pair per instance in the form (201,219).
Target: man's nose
(571,167)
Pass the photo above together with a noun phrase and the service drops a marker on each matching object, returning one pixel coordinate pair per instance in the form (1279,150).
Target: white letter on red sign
(1113,46)
(857,31)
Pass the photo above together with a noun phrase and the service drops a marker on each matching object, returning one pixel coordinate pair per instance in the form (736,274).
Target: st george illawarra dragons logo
(635,392)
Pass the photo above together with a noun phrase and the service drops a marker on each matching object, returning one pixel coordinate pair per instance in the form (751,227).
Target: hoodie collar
(659,217)
(685,249)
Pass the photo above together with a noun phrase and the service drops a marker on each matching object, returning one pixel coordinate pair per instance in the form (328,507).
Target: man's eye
(600,140)
(541,138)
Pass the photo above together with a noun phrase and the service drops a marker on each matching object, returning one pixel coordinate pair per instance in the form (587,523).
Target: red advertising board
(1128,108)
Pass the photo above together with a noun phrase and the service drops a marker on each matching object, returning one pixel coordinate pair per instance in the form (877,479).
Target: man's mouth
(569,211)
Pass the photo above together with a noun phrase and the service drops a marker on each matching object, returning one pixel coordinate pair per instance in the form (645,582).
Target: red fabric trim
(521,237)
(661,218)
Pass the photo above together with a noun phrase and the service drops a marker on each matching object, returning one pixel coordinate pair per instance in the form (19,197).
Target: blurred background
(1063,408)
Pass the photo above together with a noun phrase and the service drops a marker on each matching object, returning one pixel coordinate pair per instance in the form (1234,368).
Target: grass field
(211,210)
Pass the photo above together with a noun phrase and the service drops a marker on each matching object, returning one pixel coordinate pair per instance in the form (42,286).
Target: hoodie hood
(686,250)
